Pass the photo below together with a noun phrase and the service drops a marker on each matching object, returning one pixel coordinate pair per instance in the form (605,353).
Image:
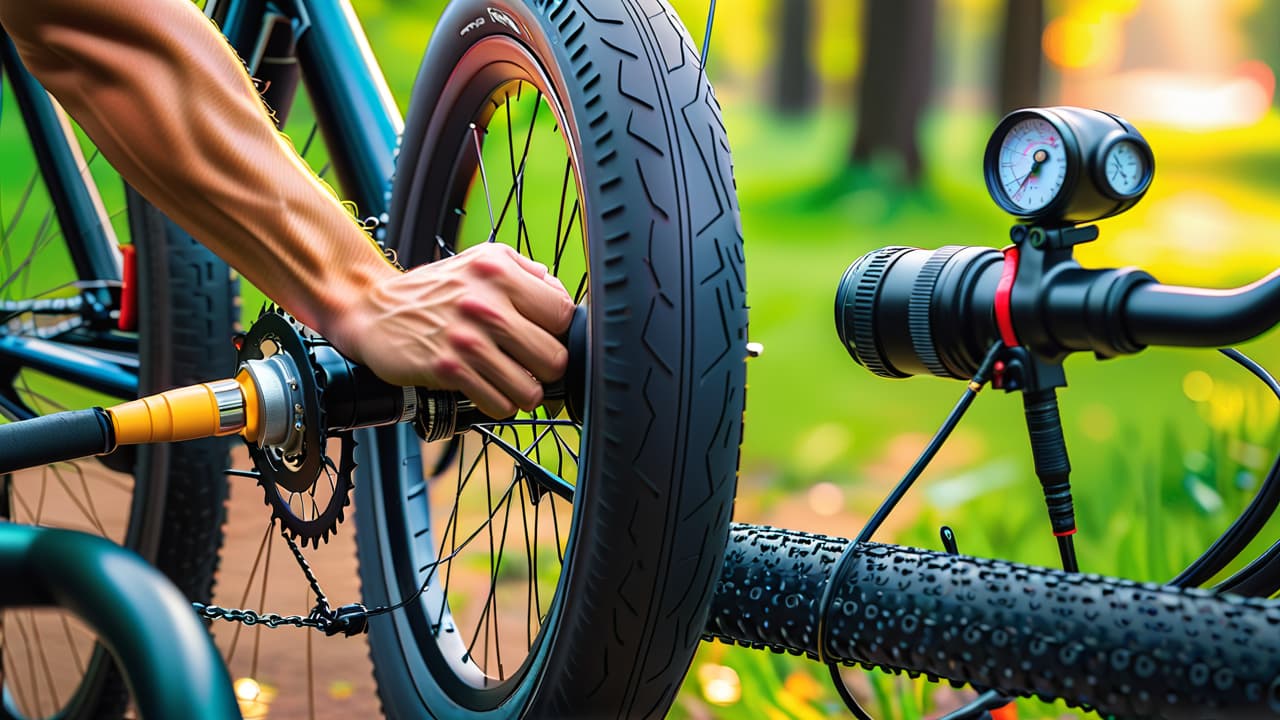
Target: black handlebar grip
(1124,648)
(55,438)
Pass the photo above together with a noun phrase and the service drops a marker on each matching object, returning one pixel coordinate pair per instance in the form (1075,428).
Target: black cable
(1253,367)
(1246,527)
(980,378)
(843,691)
(1067,551)
(979,706)
(1260,578)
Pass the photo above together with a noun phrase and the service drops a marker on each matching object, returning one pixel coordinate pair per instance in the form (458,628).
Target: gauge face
(1032,164)
(1124,168)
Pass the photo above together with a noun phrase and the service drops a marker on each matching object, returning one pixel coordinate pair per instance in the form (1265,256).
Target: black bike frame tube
(353,106)
(240,21)
(87,231)
(141,618)
(71,363)
(352,102)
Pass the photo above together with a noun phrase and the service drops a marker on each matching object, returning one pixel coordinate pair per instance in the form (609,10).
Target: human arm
(169,104)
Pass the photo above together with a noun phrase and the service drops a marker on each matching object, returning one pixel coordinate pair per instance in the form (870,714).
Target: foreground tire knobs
(297,471)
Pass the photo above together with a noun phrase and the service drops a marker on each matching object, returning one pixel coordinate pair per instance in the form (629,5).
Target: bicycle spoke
(31,666)
(253,572)
(564,191)
(311,670)
(530,566)
(262,602)
(22,208)
(44,661)
(71,643)
(484,178)
(90,516)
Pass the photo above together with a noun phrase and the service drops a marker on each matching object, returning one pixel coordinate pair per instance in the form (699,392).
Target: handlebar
(137,614)
(905,311)
(1156,314)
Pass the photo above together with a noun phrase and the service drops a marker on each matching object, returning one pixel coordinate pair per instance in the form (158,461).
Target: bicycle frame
(354,110)
(354,107)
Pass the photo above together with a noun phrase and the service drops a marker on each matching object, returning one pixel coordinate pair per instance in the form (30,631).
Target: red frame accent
(128,319)
(1004,316)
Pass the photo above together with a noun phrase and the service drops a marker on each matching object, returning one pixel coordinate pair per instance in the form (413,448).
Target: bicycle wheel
(587,137)
(163,501)
(1118,647)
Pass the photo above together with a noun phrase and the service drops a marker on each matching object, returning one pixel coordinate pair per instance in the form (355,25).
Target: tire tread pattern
(1130,649)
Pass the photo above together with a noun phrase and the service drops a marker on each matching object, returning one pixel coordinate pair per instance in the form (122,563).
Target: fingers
(490,401)
(494,316)
(535,349)
(535,294)
(495,381)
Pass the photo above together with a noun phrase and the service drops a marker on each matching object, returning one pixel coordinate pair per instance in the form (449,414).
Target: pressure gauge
(1063,166)
(1033,165)
(1124,168)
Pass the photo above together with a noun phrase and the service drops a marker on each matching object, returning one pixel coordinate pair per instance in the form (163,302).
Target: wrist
(347,302)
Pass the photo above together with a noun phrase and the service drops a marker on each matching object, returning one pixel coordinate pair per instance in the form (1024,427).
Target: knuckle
(464,340)
(490,267)
(447,370)
(565,314)
(559,359)
(532,398)
(479,309)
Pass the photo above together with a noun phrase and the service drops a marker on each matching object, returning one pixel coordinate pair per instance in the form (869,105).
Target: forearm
(169,105)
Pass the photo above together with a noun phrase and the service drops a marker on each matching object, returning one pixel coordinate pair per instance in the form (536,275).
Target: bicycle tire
(1119,647)
(186,315)
(665,376)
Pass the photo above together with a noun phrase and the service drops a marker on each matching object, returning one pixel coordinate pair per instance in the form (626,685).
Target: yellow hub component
(222,407)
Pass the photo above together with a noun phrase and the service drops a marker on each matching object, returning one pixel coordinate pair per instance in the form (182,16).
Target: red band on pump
(1004,317)
(1065,533)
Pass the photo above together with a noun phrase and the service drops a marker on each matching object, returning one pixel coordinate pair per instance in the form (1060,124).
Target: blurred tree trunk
(1020,55)
(897,74)
(795,79)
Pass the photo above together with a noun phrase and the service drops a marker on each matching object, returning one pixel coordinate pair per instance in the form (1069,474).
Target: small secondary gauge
(1063,166)
(1124,167)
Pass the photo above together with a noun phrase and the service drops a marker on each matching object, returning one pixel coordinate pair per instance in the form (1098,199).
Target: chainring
(290,481)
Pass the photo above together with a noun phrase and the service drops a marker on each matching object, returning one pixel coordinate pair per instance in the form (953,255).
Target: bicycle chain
(351,619)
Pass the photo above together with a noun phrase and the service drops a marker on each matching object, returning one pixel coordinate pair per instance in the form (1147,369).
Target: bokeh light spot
(1075,44)
(720,684)
(247,689)
(1197,385)
(826,499)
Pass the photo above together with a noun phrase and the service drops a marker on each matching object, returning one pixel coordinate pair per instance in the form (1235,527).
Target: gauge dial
(1124,168)
(1033,164)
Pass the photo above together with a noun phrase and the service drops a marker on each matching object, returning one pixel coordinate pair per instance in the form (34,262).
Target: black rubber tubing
(55,438)
(1130,649)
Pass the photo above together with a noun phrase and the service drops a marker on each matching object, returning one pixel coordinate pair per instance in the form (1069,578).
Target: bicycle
(813,620)
(603,104)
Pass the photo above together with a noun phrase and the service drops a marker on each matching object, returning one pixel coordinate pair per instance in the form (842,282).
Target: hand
(484,322)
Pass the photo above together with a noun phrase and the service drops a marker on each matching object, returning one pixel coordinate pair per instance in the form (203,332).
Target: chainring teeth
(277,494)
